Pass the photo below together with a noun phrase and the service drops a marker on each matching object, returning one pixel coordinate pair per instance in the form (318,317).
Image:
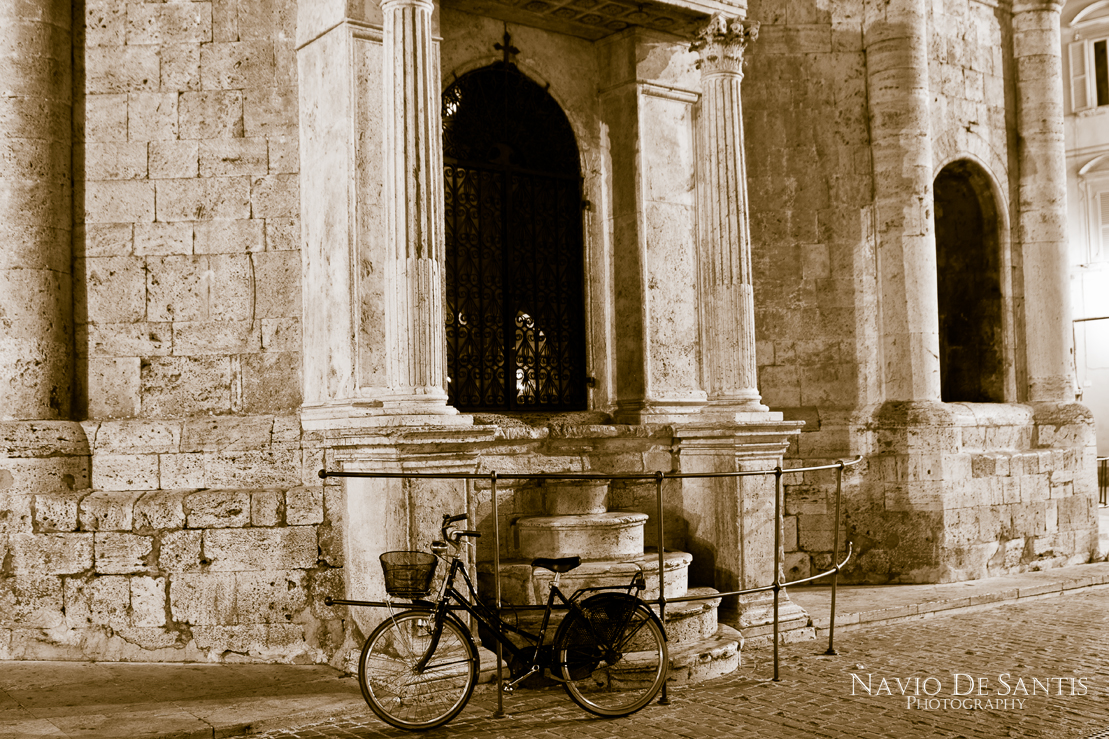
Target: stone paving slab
(1018,622)
(821,696)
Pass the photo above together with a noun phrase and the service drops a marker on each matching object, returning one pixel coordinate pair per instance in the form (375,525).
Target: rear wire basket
(408,574)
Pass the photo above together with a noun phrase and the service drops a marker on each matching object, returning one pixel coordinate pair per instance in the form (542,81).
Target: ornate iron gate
(515,318)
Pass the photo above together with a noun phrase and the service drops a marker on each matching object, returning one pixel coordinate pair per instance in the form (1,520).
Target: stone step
(614,535)
(686,622)
(487,672)
(575,498)
(705,659)
(691,621)
(691,662)
(523,584)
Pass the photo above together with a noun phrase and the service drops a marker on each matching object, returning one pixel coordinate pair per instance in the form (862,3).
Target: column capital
(723,42)
(388,6)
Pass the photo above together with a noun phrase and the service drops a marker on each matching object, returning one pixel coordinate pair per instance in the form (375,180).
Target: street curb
(934,609)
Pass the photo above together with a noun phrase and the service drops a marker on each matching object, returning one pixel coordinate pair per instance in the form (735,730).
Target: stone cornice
(1025,6)
(722,43)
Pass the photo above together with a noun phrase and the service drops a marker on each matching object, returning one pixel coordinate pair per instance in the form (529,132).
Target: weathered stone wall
(809,176)
(943,492)
(177,523)
(198,541)
(187,263)
(968,64)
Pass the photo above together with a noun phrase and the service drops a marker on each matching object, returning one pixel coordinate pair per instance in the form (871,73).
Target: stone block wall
(186,243)
(199,540)
(968,66)
(927,502)
(810,183)
(955,492)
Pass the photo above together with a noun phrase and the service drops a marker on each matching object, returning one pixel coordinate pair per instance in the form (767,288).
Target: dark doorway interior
(515,323)
(969,276)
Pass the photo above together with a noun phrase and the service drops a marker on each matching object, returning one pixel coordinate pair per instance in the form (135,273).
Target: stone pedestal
(731,519)
(1042,199)
(385,514)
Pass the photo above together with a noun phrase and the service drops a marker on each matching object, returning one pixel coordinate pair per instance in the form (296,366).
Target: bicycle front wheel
(402,695)
(612,654)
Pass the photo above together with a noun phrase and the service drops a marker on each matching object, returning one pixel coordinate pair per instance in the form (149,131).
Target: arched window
(515,319)
(968,258)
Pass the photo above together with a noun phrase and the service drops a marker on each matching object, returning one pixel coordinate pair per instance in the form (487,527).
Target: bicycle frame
(485,617)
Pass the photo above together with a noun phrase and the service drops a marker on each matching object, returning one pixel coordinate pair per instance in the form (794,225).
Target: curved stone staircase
(577,522)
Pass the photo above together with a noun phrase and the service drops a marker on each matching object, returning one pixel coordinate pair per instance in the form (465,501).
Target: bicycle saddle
(556,564)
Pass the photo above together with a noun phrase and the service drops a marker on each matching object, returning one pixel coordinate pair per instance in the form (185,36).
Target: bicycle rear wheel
(612,654)
(410,699)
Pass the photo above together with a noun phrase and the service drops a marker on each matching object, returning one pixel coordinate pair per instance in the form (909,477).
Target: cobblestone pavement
(1045,663)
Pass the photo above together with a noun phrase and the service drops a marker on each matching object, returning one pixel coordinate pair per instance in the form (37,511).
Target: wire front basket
(408,574)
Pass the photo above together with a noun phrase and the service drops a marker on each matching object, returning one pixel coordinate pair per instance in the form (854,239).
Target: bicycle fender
(618,596)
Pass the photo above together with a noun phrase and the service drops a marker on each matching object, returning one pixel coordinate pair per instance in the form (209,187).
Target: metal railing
(658,477)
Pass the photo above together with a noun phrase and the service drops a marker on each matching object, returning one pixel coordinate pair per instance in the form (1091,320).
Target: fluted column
(414,334)
(728,306)
(895,39)
(36,310)
(1042,202)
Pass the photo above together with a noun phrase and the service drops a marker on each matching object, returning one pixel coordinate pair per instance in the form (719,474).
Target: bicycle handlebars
(457,534)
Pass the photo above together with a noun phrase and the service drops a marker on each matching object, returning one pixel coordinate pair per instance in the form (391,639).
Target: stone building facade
(1085,28)
(230,259)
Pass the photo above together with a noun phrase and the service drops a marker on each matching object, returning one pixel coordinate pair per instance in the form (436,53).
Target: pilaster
(649,113)
(372,214)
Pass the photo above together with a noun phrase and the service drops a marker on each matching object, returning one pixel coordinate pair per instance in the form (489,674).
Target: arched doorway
(515,318)
(968,259)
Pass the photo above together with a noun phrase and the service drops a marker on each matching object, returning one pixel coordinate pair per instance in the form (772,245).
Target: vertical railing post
(777,557)
(1103,480)
(835,561)
(499,713)
(664,699)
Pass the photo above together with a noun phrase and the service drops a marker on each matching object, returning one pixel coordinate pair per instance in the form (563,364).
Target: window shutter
(1079,79)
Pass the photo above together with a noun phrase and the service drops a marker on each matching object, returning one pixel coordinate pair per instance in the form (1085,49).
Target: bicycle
(418,667)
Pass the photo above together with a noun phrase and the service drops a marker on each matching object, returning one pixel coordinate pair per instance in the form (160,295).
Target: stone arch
(535,75)
(960,144)
(974,283)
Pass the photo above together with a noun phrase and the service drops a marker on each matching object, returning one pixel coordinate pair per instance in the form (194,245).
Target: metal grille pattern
(514,324)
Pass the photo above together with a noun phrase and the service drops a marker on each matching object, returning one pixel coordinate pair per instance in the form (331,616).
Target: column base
(743,409)
(754,617)
(636,412)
